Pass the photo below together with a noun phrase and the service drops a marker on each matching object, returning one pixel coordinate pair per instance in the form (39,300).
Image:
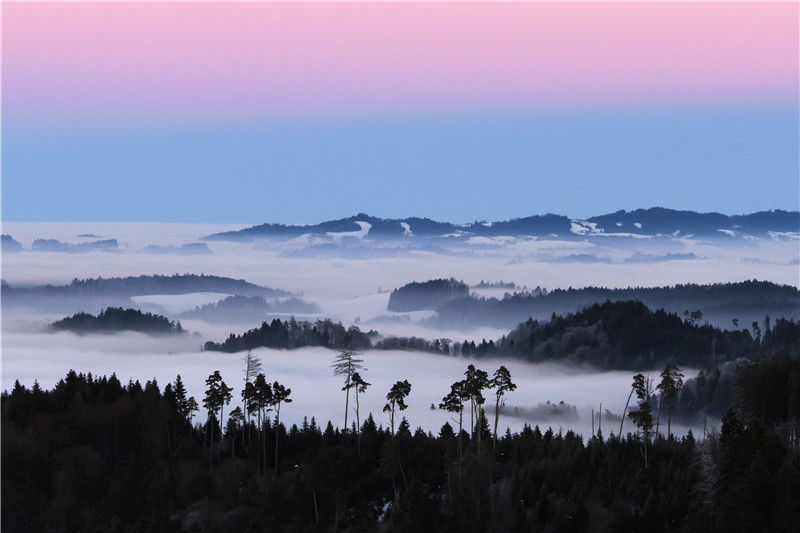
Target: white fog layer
(315,390)
(350,282)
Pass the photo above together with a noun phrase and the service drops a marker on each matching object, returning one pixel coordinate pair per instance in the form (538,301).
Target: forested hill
(622,335)
(611,335)
(116,319)
(629,335)
(430,294)
(655,221)
(249,308)
(155,284)
(292,334)
(98,293)
(720,303)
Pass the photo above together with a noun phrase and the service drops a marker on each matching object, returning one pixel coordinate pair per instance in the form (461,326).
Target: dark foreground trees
(96,455)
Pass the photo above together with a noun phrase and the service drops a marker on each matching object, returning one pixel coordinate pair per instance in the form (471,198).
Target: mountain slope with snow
(640,223)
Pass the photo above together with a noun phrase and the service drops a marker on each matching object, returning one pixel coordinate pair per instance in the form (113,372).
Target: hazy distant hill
(190,248)
(53,245)
(249,309)
(96,293)
(641,222)
(292,334)
(720,303)
(9,245)
(662,221)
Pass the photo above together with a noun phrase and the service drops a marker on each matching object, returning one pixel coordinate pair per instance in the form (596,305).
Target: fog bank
(315,391)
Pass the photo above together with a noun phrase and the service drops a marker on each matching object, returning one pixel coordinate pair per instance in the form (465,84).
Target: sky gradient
(296,112)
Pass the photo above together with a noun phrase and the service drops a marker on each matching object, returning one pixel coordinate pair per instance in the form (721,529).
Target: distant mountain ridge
(655,221)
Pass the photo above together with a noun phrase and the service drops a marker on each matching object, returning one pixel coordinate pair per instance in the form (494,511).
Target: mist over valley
(490,282)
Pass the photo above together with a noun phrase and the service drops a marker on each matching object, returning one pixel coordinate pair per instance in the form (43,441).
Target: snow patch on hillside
(583,227)
(360,234)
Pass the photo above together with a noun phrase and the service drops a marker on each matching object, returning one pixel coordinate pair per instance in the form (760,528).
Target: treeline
(98,293)
(155,284)
(53,245)
(712,391)
(417,344)
(114,319)
(625,335)
(296,334)
(611,335)
(94,454)
(416,296)
(720,303)
(496,285)
(249,308)
(622,335)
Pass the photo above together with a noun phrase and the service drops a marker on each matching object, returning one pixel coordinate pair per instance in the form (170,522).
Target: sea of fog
(335,281)
(315,390)
(351,288)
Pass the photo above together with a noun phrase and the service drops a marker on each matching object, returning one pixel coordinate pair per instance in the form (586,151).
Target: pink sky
(176,58)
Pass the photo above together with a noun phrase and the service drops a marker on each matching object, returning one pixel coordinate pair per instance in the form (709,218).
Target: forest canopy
(96,454)
(417,296)
(611,335)
(116,319)
(720,303)
(292,334)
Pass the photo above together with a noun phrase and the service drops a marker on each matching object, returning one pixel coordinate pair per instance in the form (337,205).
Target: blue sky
(457,166)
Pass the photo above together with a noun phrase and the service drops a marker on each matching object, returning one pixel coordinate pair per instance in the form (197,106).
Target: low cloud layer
(316,392)
(350,290)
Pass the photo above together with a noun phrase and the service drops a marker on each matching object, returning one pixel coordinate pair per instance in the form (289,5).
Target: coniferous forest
(622,334)
(95,454)
(114,319)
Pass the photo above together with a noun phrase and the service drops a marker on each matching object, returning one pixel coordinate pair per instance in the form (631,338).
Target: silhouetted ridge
(9,245)
(53,245)
(611,335)
(293,334)
(720,303)
(155,284)
(655,221)
(114,319)
(248,308)
(658,220)
(95,294)
(430,294)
